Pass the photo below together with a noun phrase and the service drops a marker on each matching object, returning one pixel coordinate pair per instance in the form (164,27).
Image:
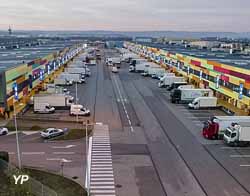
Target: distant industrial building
(143,39)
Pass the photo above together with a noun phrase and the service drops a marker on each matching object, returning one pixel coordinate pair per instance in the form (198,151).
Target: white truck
(151,69)
(167,81)
(134,62)
(79,110)
(188,95)
(126,57)
(238,134)
(55,100)
(181,84)
(62,82)
(203,102)
(43,108)
(156,72)
(78,70)
(215,127)
(116,61)
(72,77)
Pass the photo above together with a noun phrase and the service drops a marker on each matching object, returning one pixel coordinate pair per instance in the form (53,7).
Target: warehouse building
(226,74)
(24,71)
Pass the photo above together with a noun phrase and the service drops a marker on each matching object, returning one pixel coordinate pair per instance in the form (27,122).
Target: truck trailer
(188,95)
(78,70)
(72,77)
(175,85)
(59,101)
(238,134)
(203,102)
(215,127)
(167,81)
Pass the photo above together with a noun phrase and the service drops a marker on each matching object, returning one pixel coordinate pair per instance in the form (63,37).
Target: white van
(79,110)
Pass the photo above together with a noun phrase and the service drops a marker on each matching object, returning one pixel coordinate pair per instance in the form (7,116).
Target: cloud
(192,15)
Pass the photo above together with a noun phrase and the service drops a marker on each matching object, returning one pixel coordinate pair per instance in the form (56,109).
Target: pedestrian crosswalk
(101,173)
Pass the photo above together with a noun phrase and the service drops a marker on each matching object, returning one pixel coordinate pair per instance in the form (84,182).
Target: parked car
(3,131)
(51,132)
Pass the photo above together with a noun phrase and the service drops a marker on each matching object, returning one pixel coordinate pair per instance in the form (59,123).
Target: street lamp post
(17,139)
(76,101)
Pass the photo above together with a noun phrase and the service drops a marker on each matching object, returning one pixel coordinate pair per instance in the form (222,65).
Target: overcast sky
(126,15)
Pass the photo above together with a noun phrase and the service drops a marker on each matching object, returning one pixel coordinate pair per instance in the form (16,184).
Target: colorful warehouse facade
(18,84)
(231,84)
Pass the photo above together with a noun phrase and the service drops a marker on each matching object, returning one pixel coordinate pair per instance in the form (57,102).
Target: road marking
(244,165)
(33,153)
(64,153)
(102,183)
(59,159)
(234,148)
(240,156)
(29,132)
(101,172)
(68,146)
(124,107)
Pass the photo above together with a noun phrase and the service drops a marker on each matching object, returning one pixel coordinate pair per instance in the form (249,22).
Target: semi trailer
(188,95)
(215,127)
(169,80)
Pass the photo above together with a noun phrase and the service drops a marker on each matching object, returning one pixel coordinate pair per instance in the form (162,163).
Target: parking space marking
(244,165)
(240,156)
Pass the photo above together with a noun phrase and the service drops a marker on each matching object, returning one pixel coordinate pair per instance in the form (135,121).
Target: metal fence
(30,188)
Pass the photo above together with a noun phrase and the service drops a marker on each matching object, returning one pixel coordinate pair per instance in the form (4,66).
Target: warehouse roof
(14,57)
(238,60)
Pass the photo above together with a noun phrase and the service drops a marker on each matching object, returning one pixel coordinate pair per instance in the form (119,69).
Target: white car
(3,131)
(114,70)
(51,132)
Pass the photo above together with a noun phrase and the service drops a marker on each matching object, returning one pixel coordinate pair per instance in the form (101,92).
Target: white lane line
(101,169)
(33,153)
(101,162)
(102,191)
(102,179)
(244,165)
(124,107)
(101,159)
(102,175)
(102,183)
(101,172)
(102,165)
(240,156)
(64,153)
(103,187)
(102,154)
(234,148)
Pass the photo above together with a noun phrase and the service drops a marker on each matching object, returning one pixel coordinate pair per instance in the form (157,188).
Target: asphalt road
(157,147)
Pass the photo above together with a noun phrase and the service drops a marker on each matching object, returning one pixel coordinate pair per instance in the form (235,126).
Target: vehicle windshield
(228,133)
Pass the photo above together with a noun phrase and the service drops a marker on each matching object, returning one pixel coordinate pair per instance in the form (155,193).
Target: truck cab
(175,96)
(231,134)
(210,129)
(238,134)
(79,110)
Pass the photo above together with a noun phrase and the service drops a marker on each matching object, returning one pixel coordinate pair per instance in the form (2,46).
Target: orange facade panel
(21,79)
(214,63)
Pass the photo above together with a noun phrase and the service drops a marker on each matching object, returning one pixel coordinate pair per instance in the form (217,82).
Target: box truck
(175,85)
(72,77)
(59,101)
(188,95)
(156,72)
(238,134)
(63,82)
(134,62)
(203,102)
(215,127)
(43,108)
(77,70)
(167,81)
